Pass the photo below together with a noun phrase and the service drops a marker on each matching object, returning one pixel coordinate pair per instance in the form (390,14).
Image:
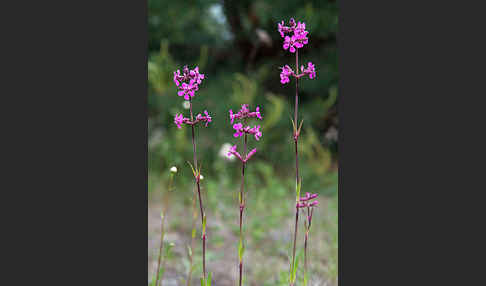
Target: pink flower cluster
(179,119)
(285,74)
(296,40)
(245,113)
(240,130)
(310,70)
(288,72)
(233,151)
(190,79)
(205,118)
(305,201)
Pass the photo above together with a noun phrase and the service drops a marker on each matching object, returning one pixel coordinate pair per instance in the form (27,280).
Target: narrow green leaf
(192,168)
(296,266)
(241,250)
(297,189)
(300,127)
(208,281)
(202,282)
(293,124)
(204,225)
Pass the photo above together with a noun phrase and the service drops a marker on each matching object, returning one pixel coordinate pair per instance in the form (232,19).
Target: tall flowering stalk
(243,130)
(188,83)
(295,37)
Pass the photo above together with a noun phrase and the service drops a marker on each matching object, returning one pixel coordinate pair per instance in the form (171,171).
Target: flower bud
(173,169)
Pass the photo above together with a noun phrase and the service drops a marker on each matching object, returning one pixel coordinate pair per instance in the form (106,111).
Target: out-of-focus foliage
(237,46)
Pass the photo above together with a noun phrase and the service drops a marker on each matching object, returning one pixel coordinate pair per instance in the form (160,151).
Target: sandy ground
(264,260)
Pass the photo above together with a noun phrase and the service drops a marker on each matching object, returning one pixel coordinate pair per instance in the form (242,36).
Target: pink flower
(196,76)
(252,152)
(187,90)
(285,73)
(205,118)
(282,29)
(257,113)
(305,201)
(300,35)
(310,70)
(296,40)
(178,120)
(232,116)
(239,129)
(178,77)
(301,205)
(256,131)
(289,42)
(233,151)
(190,81)
(285,29)
(308,196)
(244,113)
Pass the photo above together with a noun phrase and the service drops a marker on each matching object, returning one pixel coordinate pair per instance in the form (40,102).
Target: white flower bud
(173,169)
(201,177)
(186,104)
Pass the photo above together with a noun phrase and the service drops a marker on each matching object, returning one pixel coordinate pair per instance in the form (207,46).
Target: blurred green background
(237,46)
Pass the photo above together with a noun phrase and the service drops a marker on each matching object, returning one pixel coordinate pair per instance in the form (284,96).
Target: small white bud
(201,177)
(186,104)
(173,169)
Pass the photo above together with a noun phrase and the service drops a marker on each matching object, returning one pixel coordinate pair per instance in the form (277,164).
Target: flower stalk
(197,180)
(295,37)
(188,83)
(243,130)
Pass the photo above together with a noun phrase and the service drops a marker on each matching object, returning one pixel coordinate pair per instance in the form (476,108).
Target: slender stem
(198,190)
(160,250)
(194,217)
(242,204)
(296,139)
(296,112)
(307,228)
(165,206)
(305,254)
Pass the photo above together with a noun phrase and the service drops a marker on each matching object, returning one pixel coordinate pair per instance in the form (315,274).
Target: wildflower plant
(295,37)
(243,130)
(188,83)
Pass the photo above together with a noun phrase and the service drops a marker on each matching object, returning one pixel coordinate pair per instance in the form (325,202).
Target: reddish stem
(296,138)
(198,190)
(242,204)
